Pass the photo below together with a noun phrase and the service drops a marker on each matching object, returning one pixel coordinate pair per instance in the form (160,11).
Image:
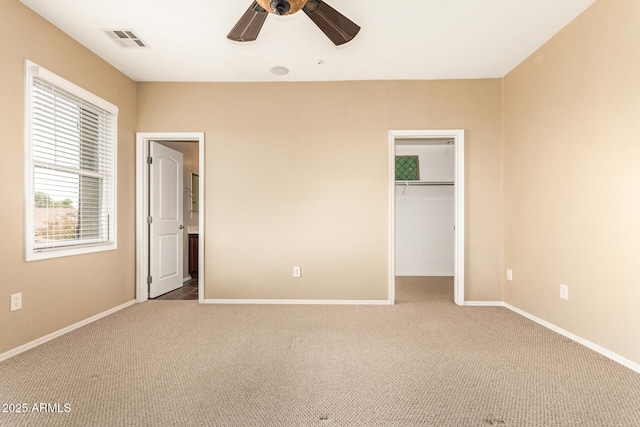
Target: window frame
(32,252)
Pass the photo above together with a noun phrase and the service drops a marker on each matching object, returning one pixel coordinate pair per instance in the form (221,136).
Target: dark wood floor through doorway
(188,291)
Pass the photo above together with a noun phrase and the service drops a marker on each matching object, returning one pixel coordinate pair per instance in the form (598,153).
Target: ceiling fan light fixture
(282,7)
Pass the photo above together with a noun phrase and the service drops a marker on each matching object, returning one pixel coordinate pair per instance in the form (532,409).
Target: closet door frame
(457,135)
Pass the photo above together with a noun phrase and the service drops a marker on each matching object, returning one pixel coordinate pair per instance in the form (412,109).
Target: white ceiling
(401,39)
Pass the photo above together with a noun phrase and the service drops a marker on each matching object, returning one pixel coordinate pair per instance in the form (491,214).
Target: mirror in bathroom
(195,192)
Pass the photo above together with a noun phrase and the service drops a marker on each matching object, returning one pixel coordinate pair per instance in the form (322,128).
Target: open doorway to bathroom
(175,255)
(187,203)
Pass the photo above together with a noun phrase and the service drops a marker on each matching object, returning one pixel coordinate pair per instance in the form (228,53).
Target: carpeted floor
(422,362)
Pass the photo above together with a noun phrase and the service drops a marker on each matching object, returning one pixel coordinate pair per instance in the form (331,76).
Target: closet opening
(426,200)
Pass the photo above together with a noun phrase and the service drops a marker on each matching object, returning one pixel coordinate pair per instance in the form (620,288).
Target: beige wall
(297,175)
(571,178)
(57,292)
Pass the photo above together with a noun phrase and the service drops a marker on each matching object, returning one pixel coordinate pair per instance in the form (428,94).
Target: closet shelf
(433,183)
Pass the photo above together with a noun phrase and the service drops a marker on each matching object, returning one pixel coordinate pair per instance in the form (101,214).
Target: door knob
(181,227)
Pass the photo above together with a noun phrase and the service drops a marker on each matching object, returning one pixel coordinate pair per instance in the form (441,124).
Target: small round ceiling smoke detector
(280,70)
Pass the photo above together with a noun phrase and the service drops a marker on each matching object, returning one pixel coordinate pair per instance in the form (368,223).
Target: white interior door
(166,228)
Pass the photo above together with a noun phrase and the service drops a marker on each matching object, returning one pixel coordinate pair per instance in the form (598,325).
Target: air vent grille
(126,38)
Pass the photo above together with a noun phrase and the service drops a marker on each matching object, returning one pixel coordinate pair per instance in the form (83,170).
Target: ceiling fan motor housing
(282,7)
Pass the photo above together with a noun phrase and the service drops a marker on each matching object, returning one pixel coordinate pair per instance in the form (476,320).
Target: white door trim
(142,206)
(458,136)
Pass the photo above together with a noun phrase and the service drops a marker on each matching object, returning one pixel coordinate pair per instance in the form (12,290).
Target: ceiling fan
(336,26)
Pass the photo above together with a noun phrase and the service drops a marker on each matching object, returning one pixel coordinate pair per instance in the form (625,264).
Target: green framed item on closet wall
(407,168)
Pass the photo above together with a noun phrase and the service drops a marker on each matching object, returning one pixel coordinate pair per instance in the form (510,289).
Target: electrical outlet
(16,301)
(297,272)
(564,292)
(509,274)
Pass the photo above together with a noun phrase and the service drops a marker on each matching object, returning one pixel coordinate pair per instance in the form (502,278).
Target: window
(70,177)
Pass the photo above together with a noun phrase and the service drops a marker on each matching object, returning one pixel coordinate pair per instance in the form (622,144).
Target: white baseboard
(296,302)
(186,279)
(423,274)
(593,346)
(483,304)
(42,340)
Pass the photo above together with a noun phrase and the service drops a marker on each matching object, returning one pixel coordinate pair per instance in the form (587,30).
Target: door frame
(458,137)
(142,206)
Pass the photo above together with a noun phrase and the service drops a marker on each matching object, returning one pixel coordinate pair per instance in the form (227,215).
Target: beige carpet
(422,362)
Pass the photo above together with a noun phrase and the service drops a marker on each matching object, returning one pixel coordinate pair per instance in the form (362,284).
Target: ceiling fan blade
(336,26)
(248,27)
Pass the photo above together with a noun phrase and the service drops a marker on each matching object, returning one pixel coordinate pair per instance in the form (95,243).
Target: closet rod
(412,183)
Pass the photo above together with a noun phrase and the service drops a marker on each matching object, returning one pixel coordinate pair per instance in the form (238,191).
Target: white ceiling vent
(125,38)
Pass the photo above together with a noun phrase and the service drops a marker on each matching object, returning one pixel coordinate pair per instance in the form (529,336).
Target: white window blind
(72,160)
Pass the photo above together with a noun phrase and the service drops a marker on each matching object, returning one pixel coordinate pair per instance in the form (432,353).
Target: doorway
(455,140)
(194,211)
